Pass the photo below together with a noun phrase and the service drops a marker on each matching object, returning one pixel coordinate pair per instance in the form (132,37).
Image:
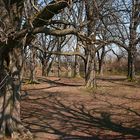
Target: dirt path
(64,110)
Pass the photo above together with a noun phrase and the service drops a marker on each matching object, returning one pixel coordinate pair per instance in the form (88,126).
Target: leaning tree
(17,30)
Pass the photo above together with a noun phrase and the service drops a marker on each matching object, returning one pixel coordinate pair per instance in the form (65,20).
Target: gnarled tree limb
(48,12)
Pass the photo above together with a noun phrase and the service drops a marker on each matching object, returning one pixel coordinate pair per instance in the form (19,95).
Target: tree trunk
(44,67)
(58,66)
(101,67)
(58,56)
(10,83)
(49,66)
(77,68)
(90,76)
(131,65)
(69,70)
(132,40)
(77,64)
(32,73)
(33,67)
(91,15)
(101,60)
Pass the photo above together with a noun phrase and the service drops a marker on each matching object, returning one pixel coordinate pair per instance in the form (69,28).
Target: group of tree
(43,28)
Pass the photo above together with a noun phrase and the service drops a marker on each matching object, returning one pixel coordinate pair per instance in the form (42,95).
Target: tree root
(18,133)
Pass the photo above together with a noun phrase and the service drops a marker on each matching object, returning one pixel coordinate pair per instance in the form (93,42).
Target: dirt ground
(62,109)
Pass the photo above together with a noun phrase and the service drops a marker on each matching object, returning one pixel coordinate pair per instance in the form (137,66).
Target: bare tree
(16,31)
(20,21)
(122,25)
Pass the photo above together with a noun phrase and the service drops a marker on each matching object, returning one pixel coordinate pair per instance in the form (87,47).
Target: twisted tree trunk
(10,68)
(91,50)
(90,74)
(12,32)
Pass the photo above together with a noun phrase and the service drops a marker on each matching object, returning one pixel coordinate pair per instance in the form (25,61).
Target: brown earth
(62,109)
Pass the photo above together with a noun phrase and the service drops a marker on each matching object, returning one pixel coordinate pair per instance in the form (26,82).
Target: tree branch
(66,53)
(48,12)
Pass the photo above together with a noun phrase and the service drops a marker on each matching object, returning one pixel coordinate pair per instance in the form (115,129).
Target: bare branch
(48,12)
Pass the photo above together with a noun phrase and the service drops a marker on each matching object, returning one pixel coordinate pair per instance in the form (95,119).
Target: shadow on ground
(120,81)
(59,82)
(93,118)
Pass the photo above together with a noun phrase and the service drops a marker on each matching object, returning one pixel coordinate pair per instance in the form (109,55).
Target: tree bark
(44,67)
(132,40)
(101,61)
(10,68)
(33,66)
(10,59)
(131,65)
(90,74)
(10,72)
(100,67)
(69,70)
(58,66)
(77,65)
(90,50)
(58,57)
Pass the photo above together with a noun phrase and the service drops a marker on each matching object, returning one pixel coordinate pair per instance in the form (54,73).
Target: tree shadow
(70,120)
(39,88)
(119,81)
(58,82)
(112,78)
